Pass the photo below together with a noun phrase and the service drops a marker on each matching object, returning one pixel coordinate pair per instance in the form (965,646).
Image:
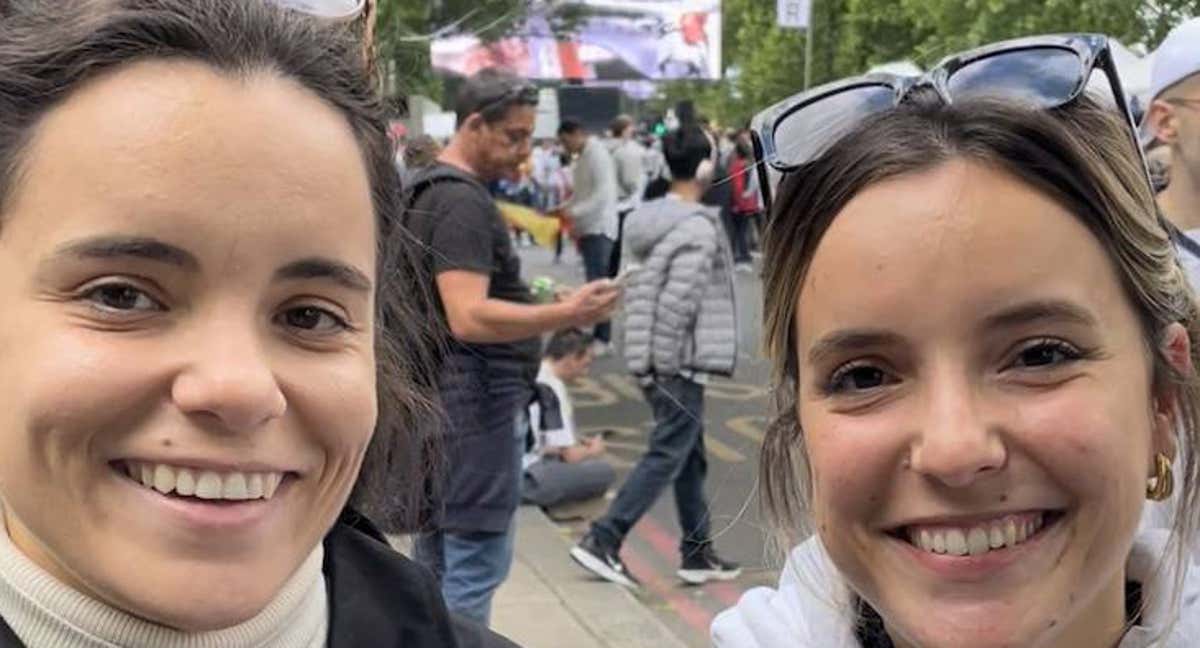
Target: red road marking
(664,544)
(692,613)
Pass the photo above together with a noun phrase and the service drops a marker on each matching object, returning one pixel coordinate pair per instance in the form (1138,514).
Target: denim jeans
(471,565)
(596,250)
(675,456)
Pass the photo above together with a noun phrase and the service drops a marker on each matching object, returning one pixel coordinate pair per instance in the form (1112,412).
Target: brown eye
(311,318)
(856,378)
(119,297)
(1046,353)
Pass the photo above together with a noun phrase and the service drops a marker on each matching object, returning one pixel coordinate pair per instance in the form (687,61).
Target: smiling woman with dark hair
(214,365)
(985,367)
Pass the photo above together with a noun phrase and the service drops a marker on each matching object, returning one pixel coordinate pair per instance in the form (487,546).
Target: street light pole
(808,44)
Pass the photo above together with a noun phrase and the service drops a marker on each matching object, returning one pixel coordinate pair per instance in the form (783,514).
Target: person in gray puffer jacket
(679,329)
(679,302)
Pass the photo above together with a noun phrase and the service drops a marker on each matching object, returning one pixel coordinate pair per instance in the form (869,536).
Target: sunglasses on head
(340,10)
(523,93)
(1041,71)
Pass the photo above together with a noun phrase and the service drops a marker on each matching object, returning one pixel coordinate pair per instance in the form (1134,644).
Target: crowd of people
(232,359)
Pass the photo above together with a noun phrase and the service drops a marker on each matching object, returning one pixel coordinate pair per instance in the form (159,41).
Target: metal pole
(808,45)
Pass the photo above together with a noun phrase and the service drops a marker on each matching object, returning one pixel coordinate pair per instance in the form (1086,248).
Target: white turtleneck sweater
(45,613)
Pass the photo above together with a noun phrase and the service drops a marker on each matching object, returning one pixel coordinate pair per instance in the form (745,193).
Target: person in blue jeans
(680,328)
(489,366)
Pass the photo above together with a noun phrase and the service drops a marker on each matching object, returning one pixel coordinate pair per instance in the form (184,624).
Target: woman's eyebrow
(323,268)
(850,339)
(1054,310)
(138,247)
(151,249)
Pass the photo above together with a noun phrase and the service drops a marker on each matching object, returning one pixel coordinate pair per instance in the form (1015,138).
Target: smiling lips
(204,484)
(978,538)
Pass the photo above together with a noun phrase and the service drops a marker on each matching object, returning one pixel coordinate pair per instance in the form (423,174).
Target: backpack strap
(437,175)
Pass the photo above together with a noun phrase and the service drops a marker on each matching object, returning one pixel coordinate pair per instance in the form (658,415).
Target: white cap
(1177,58)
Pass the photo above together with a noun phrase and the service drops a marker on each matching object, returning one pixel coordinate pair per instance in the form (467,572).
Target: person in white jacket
(984,369)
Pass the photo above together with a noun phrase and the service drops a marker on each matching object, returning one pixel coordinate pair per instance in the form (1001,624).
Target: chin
(202,609)
(952,631)
(197,599)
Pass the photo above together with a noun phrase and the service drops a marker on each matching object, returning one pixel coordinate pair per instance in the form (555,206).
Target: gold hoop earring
(1162,484)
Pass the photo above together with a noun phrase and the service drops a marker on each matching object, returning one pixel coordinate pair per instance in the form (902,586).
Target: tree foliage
(851,36)
(765,63)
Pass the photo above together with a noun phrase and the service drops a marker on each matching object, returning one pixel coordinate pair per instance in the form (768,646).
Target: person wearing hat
(1173,119)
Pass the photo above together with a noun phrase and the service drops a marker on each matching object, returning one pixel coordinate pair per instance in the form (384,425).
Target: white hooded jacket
(809,608)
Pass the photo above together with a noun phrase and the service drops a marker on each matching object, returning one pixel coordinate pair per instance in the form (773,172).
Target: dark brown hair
(50,48)
(1080,155)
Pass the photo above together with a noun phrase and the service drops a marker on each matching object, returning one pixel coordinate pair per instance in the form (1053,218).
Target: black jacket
(377,598)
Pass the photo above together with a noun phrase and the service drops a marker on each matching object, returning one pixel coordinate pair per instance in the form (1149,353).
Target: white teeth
(207,484)
(270,483)
(975,540)
(164,479)
(235,487)
(185,482)
(254,486)
(995,537)
(956,542)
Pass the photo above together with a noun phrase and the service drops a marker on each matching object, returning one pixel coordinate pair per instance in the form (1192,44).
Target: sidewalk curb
(612,614)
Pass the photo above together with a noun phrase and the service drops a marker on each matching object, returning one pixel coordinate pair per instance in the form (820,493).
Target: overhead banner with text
(598,40)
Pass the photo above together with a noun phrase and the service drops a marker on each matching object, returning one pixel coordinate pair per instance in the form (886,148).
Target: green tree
(853,35)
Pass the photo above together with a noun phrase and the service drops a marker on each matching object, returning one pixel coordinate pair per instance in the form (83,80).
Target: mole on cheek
(166,443)
(1004,497)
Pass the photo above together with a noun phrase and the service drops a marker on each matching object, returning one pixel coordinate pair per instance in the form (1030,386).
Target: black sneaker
(705,565)
(602,561)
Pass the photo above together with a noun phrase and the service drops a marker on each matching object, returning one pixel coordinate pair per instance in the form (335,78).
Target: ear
(1161,120)
(1176,347)
(474,122)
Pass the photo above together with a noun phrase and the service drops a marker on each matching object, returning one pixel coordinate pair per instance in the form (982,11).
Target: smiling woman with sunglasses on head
(984,366)
(211,338)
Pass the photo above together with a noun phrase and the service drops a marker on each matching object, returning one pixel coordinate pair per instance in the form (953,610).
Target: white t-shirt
(542,439)
(1189,260)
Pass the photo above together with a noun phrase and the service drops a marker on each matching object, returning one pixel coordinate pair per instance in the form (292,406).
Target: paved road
(734,423)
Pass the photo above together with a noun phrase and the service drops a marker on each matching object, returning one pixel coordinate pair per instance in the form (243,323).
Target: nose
(229,377)
(956,443)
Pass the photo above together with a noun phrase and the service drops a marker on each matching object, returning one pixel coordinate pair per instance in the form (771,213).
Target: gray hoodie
(679,300)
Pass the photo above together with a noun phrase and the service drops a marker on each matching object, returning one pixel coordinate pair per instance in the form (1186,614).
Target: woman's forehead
(162,144)
(956,241)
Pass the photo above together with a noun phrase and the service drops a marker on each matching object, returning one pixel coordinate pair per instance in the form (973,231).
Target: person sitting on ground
(559,467)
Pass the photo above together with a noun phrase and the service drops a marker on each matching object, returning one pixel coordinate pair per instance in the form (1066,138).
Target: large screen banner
(598,40)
